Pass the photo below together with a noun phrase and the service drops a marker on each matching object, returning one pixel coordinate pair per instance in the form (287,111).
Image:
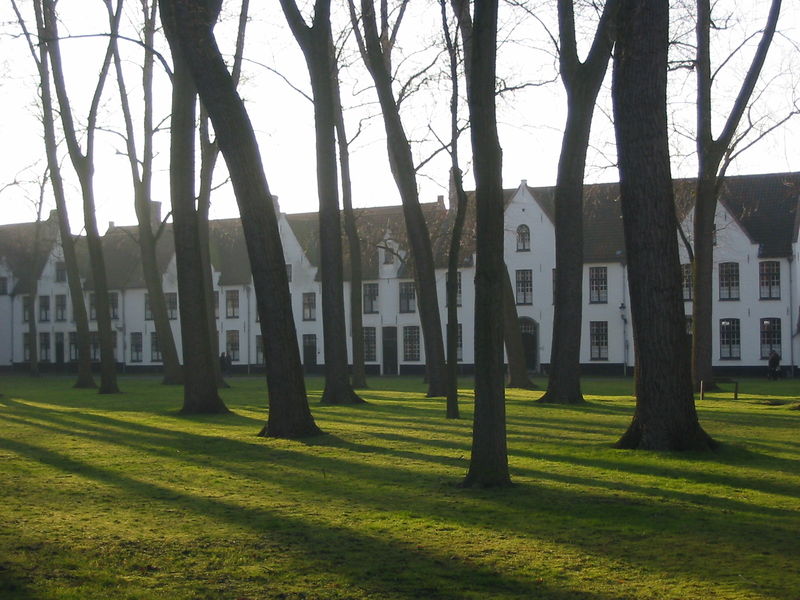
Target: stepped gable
(17,250)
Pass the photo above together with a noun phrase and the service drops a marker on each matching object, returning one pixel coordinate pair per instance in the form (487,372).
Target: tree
(582,81)
(713,157)
(489,459)
(141,177)
(665,416)
(189,28)
(83,163)
(316,42)
(40,58)
(200,393)
(376,50)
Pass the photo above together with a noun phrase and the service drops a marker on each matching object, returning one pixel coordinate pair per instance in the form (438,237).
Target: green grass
(121,497)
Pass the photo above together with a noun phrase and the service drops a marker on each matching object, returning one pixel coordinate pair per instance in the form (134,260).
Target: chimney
(110,226)
(53,215)
(276,205)
(524,182)
(440,201)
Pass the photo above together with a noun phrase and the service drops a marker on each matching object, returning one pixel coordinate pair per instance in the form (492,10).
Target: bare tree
(40,57)
(376,50)
(83,163)
(489,459)
(714,156)
(665,416)
(582,81)
(189,27)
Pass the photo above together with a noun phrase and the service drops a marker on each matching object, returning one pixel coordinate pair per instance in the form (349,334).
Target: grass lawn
(119,497)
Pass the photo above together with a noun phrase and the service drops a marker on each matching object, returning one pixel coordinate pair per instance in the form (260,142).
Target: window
(232,304)
(26,308)
(458,286)
(598,285)
(216,305)
(370,345)
(44,346)
(408,297)
(309,306)
(3,286)
(26,346)
(260,348)
(61,307)
(289,273)
(171,299)
(44,308)
(232,344)
(459,346)
(523,238)
(525,286)
(411,342)
(370,298)
(686,278)
(769,280)
(598,340)
(729,281)
(148,313)
(136,346)
(94,345)
(61,272)
(388,255)
(729,340)
(73,345)
(770,336)
(155,351)
(92,306)
(113,304)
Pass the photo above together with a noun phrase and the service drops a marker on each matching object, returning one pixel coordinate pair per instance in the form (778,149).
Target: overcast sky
(530,127)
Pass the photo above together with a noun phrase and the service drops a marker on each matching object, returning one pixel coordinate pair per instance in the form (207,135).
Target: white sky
(530,120)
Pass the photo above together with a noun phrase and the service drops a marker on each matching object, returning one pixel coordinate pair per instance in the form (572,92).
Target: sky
(530,119)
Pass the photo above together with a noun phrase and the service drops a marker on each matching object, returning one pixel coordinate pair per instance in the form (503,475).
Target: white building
(756,284)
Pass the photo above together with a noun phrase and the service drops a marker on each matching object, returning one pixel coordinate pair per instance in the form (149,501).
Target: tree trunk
(453,260)
(665,416)
(200,394)
(404,172)
(289,414)
(489,459)
(84,379)
(317,45)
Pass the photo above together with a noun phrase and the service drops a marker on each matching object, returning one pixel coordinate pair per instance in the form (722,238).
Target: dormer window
(523,238)
(388,255)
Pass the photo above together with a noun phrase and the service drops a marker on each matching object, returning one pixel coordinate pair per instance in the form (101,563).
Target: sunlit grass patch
(123,497)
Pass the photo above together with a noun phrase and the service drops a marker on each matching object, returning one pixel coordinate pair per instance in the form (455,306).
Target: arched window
(523,238)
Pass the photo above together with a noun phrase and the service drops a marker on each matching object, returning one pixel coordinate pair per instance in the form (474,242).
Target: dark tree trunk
(85,379)
(453,260)
(404,172)
(289,414)
(359,374)
(141,176)
(200,394)
(33,274)
(489,460)
(515,349)
(665,416)
(713,157)
(582,82)
(317,45)
(84,168)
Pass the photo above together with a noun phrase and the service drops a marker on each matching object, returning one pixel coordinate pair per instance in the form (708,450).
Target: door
(309,350)
(59,348)
(530,342)
(390,350)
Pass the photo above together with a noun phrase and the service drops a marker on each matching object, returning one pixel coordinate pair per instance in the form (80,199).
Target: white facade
(746,322)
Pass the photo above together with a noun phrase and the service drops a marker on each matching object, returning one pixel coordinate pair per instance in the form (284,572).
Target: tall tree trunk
(84,379)
(33,273)
(359,373)
(582,81)
(665,416)
(713,157)
(188,25)
(141,176)
(200,387)
(317,45)
(489,459)
(84,168)
(401,162)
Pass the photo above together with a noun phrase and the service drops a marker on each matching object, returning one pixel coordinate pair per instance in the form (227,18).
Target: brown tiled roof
(16,249)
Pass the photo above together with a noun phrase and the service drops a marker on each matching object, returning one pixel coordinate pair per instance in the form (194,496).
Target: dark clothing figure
(774,365)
